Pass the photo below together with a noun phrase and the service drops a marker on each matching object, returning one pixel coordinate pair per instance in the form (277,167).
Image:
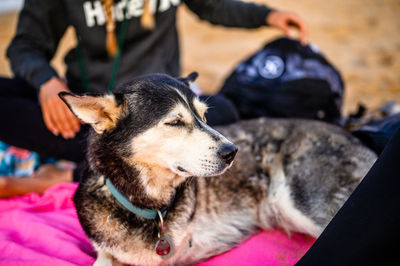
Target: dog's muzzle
(227,153)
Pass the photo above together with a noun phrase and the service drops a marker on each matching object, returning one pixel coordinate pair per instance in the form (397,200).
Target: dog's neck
(158,182)
(144,185)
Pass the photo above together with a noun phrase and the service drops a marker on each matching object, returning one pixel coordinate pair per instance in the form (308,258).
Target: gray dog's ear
(101,112)
(189,79)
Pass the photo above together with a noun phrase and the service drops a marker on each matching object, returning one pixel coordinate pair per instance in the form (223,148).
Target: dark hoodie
(42,23)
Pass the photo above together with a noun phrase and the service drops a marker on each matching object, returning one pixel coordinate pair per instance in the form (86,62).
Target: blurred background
(360,37)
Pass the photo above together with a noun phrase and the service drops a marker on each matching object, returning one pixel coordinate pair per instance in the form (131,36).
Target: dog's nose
(227,152)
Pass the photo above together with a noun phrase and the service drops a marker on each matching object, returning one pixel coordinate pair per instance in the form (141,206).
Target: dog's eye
(176,123)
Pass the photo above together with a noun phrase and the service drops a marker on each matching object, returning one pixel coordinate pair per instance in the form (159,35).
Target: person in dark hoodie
(116,40)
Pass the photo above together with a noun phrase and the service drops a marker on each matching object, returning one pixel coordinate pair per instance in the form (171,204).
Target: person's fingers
(60,119)
(72,120)
(284,21)
(48,121)
(302,27)
(284,26)
(56,114)
(304,34)
(54,117)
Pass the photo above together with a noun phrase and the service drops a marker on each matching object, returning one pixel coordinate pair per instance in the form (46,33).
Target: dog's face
(157,122)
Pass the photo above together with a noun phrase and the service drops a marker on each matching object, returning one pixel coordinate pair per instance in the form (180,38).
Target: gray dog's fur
(152,142)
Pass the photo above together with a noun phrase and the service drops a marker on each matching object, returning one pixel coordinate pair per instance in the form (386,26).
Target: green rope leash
(82,69)
(117,59)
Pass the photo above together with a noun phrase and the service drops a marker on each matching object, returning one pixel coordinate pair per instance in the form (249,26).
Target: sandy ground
(360,37)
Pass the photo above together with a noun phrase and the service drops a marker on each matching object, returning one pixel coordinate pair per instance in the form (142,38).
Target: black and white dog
(164,188)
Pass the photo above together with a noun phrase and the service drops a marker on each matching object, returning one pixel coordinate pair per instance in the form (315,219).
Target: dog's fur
(151,140)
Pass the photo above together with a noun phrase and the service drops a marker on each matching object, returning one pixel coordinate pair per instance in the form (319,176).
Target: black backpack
(286,79)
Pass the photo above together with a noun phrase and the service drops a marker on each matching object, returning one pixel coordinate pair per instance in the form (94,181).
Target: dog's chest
(207,233)
(138,244)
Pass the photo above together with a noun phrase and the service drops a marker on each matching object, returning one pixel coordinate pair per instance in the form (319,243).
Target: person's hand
(284,21)
(56,115)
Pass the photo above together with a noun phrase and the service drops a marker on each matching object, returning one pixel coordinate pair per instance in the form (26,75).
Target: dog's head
(156,121)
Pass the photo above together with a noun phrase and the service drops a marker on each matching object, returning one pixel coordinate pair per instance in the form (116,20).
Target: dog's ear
(189,79)
(100,111)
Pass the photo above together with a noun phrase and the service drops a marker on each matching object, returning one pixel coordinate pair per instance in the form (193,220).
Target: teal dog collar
(124,201)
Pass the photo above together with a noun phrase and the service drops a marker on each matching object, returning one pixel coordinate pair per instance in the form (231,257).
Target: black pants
(22,124)
(366,230)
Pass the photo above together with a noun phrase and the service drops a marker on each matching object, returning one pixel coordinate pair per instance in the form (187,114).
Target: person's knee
(16,87)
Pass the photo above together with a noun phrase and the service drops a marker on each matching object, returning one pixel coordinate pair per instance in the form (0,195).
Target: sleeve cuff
(267,14)
(41,75)
(260,15)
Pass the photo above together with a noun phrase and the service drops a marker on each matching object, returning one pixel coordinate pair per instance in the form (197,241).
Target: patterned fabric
(19,162)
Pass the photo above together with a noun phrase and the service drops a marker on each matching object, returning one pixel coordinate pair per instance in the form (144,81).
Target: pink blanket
(44,230)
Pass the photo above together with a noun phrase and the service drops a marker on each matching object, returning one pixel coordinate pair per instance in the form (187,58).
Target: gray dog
(164,188)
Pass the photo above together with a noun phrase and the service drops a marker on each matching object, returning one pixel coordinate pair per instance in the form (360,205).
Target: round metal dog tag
(165,247)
